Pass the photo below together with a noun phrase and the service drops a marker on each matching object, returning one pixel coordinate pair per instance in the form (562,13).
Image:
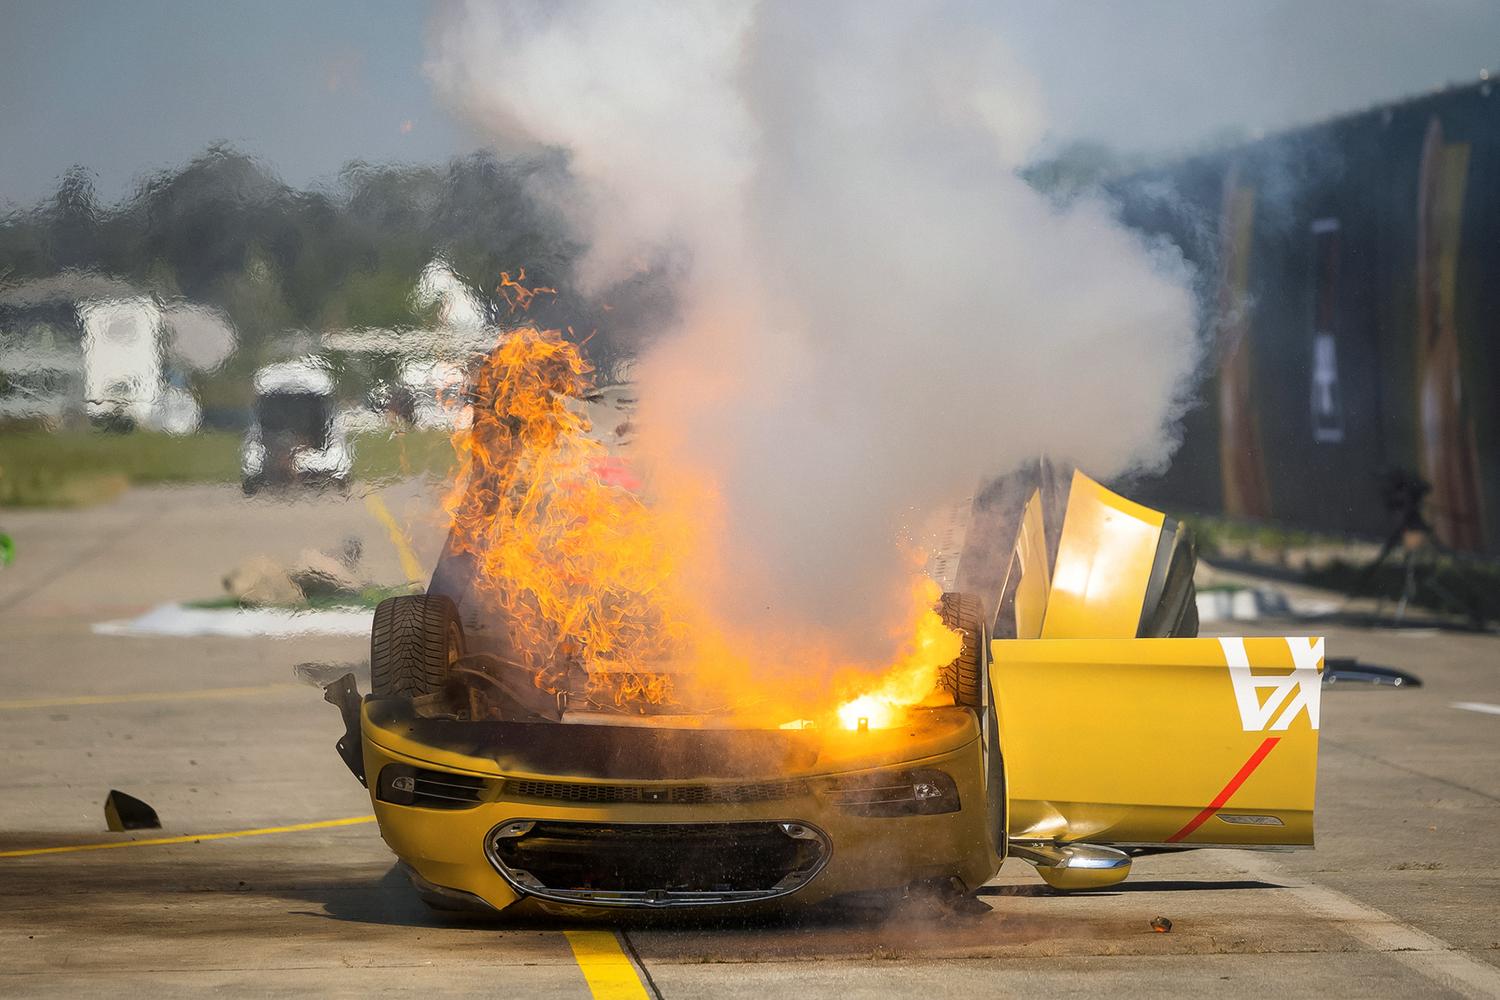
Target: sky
(126,88)
(1149,75)
(131,87)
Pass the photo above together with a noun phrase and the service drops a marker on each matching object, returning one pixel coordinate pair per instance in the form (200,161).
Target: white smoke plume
(876,312)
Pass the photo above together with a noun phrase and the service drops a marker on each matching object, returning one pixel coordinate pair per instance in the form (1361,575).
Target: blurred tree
(74,220)
(283,264)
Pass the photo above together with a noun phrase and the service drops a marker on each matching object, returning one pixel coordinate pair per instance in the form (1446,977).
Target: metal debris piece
(1161,925)
(344,695)
(1343,670)
(320,675)
(126,812)
(262,582)
(319,573)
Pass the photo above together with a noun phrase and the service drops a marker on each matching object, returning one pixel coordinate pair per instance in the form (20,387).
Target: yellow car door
(1159,742)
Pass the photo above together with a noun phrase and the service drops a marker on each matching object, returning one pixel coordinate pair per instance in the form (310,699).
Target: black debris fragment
(126,812)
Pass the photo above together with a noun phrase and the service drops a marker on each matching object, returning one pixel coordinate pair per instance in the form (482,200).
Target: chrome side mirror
(1071,867)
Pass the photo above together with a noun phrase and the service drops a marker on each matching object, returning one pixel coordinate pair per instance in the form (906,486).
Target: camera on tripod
(1403,493)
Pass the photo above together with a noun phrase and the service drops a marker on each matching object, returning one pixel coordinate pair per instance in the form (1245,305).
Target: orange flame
(574,564)
(913,679)
(516,293)
(581,570)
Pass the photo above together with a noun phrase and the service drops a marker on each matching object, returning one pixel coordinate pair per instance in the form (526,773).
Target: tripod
(1421,551)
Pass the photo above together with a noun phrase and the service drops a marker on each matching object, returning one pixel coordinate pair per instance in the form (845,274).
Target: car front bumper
(797,842)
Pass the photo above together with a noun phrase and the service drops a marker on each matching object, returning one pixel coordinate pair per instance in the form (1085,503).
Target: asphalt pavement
(292,891)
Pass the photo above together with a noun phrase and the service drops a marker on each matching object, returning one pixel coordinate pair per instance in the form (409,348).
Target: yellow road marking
(410,565)
(191,838)
(610,973)
(197,694)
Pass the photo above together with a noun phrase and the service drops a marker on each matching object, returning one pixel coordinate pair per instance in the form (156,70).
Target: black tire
(964,613)
(413,643)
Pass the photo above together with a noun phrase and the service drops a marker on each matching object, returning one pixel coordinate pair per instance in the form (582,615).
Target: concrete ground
(1401,898)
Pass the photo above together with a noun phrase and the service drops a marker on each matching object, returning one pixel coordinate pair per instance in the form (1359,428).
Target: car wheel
(414,642)
(964,614)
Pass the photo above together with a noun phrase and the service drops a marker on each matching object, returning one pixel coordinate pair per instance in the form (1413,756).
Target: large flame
(913,679)
(576,566)
(579,568)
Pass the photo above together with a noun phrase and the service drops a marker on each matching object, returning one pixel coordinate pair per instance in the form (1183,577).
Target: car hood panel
(636,753)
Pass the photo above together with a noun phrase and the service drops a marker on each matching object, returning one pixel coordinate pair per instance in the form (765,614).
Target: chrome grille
(655,865)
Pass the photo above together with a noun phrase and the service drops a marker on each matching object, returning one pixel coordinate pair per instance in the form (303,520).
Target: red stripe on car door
(1228,790)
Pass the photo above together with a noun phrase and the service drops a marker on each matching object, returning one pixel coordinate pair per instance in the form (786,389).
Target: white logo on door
(1290,694)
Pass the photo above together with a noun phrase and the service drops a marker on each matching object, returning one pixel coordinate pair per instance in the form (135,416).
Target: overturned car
(1084,723)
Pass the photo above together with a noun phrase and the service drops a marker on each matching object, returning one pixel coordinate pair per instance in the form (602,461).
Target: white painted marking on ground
(1433,957)
(177,620)
(1477,706)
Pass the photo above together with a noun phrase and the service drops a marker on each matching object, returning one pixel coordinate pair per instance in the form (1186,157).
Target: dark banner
(1352,276)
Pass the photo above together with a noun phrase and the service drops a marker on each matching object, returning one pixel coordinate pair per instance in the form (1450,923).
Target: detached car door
(1160,742)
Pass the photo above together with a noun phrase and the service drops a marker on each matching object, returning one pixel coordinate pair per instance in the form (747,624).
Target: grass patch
(366,598)
(1217,535)
(75,468)
(1467,587)
(399,456)
(46,488)
(1222,588)
(1456,585)
(136,457)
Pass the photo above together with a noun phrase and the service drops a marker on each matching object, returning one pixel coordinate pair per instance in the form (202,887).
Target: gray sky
(1154,74)
(128,87)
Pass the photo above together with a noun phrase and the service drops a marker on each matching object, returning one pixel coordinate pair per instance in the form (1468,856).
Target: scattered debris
(126,812)
(1347,670)
(344,695)
(322,574)
(261,582)
(943,898)
(1161,925)
(316,574)
(320,675)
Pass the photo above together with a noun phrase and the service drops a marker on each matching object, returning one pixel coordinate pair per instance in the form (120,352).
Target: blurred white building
(432,364)
(81,345)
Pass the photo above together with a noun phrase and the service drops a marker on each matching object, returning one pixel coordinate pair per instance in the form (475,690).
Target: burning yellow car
(1084,723)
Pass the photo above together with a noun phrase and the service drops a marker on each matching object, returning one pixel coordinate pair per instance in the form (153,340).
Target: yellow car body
(1092,745)
(451,848)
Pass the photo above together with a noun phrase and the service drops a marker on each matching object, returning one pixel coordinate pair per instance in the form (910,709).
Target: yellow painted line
(610,973)
(192,838)
(197,694)
(410,564)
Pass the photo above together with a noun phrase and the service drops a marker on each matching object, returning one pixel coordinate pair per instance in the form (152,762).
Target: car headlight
(921,792)
(403,785)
